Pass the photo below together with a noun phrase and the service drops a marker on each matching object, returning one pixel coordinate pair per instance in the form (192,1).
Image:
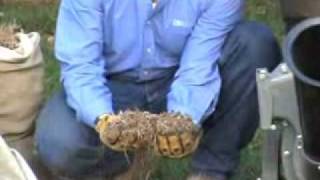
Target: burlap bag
(12,165)
(21,85)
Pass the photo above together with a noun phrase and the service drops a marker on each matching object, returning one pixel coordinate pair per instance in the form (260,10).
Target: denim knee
(66,157)
(63,143)
(259,44)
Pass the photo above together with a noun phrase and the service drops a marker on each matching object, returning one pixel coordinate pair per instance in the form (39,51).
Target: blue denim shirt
(95,38)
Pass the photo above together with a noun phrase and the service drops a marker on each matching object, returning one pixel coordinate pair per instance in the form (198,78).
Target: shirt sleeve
(197,83)
(79,48)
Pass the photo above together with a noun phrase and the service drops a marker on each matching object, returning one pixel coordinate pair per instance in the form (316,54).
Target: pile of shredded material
(130,130)
(171,124)
(8,38)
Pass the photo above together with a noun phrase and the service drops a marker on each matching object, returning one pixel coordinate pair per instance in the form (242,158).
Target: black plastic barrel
(302,54)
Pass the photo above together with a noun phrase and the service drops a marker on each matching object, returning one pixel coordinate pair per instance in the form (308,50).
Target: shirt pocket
(176,35)
(180,26)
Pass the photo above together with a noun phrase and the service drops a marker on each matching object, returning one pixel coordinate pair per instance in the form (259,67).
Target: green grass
(42,19)
(268,12)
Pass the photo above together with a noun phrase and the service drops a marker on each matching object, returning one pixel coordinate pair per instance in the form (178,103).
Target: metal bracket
(271,151)
(279,118)
(277,97)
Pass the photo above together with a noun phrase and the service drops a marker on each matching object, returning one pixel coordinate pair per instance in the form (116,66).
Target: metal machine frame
(279,116)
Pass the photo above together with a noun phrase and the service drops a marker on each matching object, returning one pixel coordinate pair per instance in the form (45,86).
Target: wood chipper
(289,98)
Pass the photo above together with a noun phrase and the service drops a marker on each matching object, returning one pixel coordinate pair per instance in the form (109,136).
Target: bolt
(299,136)
(299,146)
(286,153)
(273,127)
(262,73)
(285,123)
(318,167)
(262,76)
(259,178)
(284,68)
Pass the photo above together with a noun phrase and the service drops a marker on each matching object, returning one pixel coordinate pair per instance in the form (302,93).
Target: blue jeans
(68,146)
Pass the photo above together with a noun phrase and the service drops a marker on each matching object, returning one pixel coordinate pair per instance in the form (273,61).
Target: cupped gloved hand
(176,135)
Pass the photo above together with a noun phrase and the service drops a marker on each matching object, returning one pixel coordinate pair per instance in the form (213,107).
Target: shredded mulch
(8,38)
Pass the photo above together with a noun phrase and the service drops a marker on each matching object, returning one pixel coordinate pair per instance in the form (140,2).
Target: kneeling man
(196,58)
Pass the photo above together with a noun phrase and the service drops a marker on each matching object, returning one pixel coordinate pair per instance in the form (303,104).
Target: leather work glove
(176,135)
(128,131)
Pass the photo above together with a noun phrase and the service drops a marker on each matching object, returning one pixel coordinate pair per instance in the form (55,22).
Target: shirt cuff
(92,112)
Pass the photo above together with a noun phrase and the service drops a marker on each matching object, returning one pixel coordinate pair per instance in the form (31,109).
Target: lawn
(42,19)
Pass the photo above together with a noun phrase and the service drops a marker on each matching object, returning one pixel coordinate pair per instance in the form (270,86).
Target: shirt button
(149,50)
(148,22)
(145,73)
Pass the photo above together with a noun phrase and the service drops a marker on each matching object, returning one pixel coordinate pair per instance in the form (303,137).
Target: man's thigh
(68,146)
